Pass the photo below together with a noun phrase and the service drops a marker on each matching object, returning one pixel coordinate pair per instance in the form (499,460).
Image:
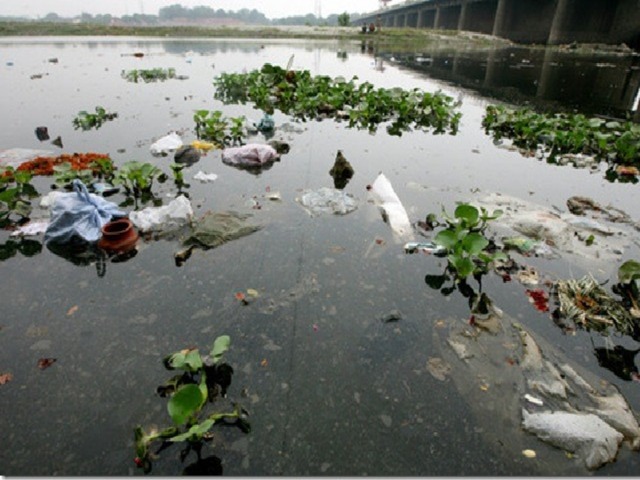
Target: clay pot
(118,236)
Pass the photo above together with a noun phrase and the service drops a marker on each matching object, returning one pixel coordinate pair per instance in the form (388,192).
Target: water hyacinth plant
(149,75)
(464,239)
(306,97)
(136,177)
(203,380)
(86,121)
(214,127)
(561,133)
(15,194)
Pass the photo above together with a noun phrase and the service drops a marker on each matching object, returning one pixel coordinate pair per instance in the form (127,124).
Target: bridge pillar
(559,21)
(500,23)
(437,21)
(462,19)
(422,17)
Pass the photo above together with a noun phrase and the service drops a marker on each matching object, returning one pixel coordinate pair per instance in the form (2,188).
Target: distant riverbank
(387,35)
(246,31)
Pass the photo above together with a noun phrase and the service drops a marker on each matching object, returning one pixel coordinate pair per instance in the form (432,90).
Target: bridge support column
(462,20)
(437,20)
(559,21)
(421,19)
(500,23)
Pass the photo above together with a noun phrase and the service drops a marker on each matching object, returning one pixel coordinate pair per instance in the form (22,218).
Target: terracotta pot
(118,236)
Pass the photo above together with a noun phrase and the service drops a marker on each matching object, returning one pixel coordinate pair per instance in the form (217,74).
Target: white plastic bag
(388,201)
(167,144)
(176,213)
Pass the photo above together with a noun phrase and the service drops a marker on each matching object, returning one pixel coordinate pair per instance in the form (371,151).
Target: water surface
(331,389)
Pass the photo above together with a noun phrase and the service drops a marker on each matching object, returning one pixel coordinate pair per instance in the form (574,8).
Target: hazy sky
(271,8)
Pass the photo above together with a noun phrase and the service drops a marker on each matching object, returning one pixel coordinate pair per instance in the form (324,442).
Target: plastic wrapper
(328,200)
(167,144)
(175,214)
(251,155)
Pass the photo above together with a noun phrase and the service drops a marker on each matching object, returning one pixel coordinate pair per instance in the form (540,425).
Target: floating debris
(328,200)
(342,171)
(588,305)
(424,247)
(534,400)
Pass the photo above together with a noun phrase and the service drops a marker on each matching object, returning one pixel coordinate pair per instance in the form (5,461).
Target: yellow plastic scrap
(202,145)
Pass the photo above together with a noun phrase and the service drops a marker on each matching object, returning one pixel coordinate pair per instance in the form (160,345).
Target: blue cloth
(79,214)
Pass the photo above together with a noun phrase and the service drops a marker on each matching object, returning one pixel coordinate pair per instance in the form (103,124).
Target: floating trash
(328,200)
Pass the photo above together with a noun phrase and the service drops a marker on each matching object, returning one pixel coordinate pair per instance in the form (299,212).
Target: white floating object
(205,177)
(534,400)
(388,201)
(167,144)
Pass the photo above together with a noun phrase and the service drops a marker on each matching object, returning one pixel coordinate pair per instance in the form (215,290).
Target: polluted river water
(337,349)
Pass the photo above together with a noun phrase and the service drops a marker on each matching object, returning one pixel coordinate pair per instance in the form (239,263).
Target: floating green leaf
(184,403)
(468,213)
(629,271)
(189,360)
(474,243)
(446,238)
(220,346)
(463,265)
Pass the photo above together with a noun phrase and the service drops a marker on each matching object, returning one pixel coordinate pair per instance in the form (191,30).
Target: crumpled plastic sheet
(215,228)
(167,144)
(177,213)
(388,201)
(49,199)
(536,391)
(79,214)
(582,433)
(34,227)
(250,155)
(328,200)
(566,232)
(205,177)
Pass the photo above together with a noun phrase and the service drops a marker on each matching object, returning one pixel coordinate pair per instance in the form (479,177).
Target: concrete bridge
(549,22)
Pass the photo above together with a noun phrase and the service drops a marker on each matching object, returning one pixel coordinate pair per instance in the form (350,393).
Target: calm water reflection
(594,83)
(330,387)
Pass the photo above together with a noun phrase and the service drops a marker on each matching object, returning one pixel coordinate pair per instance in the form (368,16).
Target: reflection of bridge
(526,21)
(546,78)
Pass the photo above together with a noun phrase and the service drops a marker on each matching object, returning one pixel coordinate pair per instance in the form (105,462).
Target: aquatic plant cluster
(306,97)
(215,127)
(149,75)
(87,121)
(613,141)
(204,379)
(465,241)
